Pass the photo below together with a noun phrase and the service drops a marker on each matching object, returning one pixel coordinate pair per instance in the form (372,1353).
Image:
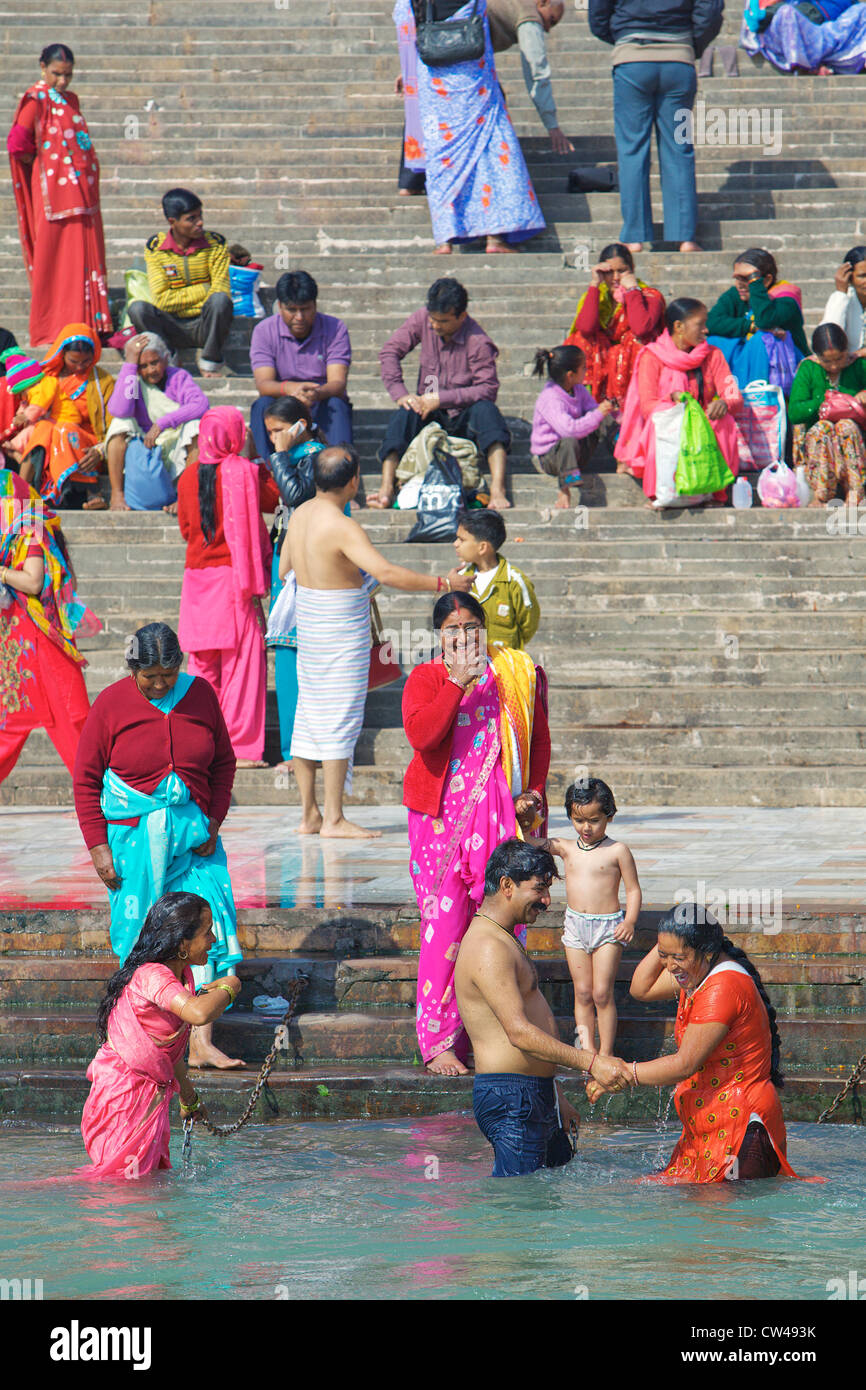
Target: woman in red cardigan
(615,317)
(153,781)
(477,721)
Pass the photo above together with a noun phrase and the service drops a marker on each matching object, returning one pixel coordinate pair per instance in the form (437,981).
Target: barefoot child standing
(596,928)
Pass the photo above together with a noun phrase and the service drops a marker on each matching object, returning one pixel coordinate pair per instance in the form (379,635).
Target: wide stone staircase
(704,658)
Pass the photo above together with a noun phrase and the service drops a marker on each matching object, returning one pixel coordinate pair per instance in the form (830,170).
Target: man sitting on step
(299,352)
(457,387)
(188,277)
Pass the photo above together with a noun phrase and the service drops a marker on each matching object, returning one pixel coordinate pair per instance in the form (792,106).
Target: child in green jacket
(504,592)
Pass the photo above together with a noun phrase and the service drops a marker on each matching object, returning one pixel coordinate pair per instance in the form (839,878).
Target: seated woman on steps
(615,315)
(833,379)
(680,360)
(758,323)
(66,449)
(477,721)
(144,1023)
(156,403)
(153,783)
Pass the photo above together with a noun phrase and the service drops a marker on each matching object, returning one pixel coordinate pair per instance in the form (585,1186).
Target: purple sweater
(127,399)
(558,416)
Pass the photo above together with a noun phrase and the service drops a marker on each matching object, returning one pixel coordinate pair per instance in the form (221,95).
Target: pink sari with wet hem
(125,1122)
(449,857)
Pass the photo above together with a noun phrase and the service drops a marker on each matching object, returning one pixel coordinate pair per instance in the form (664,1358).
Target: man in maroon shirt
(457,388)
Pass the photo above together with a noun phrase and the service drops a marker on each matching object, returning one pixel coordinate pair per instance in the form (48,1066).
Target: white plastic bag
(668,426)
(761,425)
(283,618)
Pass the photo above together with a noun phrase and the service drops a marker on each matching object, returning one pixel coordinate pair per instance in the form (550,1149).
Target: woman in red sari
(55,175)
(41,685)
(615,317)
(727,1063)
(144,1024)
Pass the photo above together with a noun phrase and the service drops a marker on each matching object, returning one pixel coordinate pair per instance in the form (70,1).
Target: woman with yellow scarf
(65,452)
(41,681)
(615,317)
(477,721)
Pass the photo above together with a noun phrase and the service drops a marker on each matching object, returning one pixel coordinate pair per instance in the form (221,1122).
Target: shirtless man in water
(518,1105)
(330,553)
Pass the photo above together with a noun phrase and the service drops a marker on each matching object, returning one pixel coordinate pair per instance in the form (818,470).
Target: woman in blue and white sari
(153,781)
(477,181)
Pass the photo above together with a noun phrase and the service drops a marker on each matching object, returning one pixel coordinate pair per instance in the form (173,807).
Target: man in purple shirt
(300,352)
(457,388)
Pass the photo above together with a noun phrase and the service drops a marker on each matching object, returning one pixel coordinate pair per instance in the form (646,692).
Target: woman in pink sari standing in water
(144,1023)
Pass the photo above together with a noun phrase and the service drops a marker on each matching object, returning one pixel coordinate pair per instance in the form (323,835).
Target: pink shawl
(636,443)
(221,437)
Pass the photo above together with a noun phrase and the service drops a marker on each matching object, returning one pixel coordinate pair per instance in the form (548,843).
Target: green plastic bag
(701,467)
(137,287)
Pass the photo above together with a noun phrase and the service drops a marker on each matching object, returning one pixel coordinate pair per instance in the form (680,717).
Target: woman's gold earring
(183,955)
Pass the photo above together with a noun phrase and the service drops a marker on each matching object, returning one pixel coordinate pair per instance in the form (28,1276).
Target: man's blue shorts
(520,1117)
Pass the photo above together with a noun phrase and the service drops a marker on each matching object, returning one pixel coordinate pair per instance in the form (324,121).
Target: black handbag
(441,44)
(591,178)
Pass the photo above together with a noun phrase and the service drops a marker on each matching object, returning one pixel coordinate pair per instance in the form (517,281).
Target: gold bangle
(232,994)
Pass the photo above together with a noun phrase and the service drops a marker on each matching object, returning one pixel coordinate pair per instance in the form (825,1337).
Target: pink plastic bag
(777,486)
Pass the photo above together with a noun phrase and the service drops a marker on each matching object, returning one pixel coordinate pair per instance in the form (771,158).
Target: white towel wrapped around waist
(333,670)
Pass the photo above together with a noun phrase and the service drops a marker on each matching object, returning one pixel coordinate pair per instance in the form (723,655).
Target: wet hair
(829,337)
(517,860)
(586,790)
(484,524)
(178,201)
(173,919)
(698,929)
(763,262)
(621,251)
(557,361)
(56,53)
(334,468)
(447,296)
(296,287)
(855,256)
(680,309)
(447,604)
(155,644)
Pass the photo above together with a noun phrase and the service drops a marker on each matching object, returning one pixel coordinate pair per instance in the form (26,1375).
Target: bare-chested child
(596,928)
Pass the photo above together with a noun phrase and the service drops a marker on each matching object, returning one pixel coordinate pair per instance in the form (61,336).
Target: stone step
(33,983)
(58,1091)
(809,1039)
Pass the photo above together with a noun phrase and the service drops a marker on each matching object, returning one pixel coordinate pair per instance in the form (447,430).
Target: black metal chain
(850,1086)
(299,983)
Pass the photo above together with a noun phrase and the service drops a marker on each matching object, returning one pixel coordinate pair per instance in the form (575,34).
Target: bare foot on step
(210,1056)
(499,502)
(310,825)
(347,830)
(563,499)
(447,1063)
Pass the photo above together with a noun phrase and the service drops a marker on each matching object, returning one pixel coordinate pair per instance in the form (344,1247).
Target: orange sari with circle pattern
(733,1085)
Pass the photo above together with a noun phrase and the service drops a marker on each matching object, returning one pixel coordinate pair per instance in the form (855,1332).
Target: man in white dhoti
(335,566)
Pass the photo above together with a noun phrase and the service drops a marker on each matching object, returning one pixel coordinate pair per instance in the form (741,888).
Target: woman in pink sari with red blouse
(144,1023)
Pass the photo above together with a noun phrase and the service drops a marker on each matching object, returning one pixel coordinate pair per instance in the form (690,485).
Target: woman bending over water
(726,1066)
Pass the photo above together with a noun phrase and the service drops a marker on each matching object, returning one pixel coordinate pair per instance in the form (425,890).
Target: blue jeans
(647,96)
(520,1117)
(333,417)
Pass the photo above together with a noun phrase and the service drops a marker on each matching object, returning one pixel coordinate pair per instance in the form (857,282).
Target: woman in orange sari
(727,1063)
(55,177)
(65,452)
(615,317)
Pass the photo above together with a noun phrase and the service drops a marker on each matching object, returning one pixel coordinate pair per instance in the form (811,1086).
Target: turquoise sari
(156,856)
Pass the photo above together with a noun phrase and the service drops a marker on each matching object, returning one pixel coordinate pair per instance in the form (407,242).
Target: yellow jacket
(181,284)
